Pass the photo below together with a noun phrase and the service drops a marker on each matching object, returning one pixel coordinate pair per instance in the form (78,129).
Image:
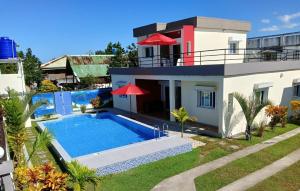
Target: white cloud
(288,17)
(265,21)
(287,21)
(270,29)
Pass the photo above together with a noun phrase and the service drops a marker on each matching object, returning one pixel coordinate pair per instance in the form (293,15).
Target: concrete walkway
(264,173)
(185,181)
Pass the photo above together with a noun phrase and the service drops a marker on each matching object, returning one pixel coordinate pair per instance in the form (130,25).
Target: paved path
(264,173)
(185,181)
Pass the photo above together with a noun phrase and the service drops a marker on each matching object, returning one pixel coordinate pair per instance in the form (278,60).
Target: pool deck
(129,156)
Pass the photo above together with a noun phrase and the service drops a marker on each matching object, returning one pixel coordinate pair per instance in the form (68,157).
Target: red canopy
(129,89)
(157,39)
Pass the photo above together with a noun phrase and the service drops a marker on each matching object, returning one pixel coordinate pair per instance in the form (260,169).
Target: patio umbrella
(157,39)
(129,89)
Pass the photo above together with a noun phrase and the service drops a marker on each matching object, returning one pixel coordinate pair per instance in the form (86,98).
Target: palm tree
(16,113)
(182,116)
(42,139)
(251,107)
(81,175)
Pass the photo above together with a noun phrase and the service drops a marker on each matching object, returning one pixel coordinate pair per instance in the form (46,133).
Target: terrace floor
(191,129)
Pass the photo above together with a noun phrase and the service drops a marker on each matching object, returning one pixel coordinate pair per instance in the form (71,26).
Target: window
(149,52)
(233,46)
(189,48)
(271,41)
(206,99)
(262,95)
(291,40)
(297,90)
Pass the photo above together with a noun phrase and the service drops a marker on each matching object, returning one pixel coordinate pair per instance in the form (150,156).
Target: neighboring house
(273,46)
(70,68)
(212,62)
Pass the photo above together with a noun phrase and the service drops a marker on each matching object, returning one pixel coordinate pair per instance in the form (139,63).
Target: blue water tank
(7,48)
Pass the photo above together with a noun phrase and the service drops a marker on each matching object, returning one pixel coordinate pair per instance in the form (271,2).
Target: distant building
(278,41)
(70,68)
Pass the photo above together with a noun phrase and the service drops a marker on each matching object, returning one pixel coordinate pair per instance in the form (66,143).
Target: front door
(178,97)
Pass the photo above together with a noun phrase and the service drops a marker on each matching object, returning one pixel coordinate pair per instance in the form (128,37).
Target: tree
(182,116)
(89,80)
(16,113)
(48,86)
(81,175)
(32,67)
(251,107)
(132,54)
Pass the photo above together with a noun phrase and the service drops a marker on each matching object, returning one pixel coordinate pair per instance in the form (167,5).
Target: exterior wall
(280,93)
(188,95)
(216,39)
(189,101)
(13,81)
(188,37)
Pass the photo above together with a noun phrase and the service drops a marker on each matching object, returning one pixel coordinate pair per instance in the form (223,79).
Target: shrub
(295,108)
(96,102)
(43,177)
(261,128)
(48,86)
(83,108)
(278,114)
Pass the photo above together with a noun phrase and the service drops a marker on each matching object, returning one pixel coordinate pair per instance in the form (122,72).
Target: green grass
(244,166)
(147,176)
(286,180)
(36,160)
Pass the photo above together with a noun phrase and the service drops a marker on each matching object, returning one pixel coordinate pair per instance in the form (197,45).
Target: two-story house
(208,63)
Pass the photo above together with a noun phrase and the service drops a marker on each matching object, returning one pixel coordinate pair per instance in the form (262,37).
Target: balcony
(215,57)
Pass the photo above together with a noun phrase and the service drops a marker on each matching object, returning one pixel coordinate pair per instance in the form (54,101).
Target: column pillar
(172,97)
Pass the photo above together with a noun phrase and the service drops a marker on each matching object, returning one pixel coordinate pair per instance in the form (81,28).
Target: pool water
(85,134)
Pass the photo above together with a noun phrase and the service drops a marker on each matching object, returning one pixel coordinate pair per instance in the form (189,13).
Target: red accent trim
(188,36)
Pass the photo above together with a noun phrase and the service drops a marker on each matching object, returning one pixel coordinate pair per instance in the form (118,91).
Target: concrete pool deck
(126,157)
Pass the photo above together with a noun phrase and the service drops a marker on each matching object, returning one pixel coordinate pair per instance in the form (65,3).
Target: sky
(52,28)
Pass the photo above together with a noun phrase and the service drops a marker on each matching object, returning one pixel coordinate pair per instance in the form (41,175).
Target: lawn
(244,166)
(147,176)
(286,180)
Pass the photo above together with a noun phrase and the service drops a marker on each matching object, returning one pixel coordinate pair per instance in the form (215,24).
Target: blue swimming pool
(85,134)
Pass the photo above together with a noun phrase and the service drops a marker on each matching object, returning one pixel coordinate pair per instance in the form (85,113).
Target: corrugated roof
(83,66)
(58,63)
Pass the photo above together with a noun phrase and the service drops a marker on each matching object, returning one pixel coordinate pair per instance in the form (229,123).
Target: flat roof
(225,70)
(197,22)
(275,35)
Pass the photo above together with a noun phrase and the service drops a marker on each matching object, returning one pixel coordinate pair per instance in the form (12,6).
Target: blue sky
(56,27)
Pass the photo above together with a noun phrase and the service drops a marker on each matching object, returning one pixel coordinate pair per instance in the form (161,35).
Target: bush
(83,108)
(278,114)
(261,128)
(48,86)
(96,102)
(295,108)
(43,177)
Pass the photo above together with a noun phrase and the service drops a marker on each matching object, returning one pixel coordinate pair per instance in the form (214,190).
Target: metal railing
(219,56)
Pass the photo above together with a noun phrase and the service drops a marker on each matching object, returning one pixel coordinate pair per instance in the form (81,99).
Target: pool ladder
(165,130)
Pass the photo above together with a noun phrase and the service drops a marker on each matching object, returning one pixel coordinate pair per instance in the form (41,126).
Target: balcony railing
(217,56)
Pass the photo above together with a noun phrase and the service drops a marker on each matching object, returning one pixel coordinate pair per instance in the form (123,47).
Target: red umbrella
(129,89)
(157,39)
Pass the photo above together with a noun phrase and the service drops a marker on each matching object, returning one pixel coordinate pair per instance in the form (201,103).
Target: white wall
(280,93)
(122,102)
(188,95)
(210,39)
(189,101)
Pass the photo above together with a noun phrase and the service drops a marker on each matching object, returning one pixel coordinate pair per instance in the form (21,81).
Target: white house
(209,62)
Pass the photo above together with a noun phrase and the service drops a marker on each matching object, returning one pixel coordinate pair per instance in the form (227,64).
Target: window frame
(296,90)
(235,50)
(206,99)
(149,52)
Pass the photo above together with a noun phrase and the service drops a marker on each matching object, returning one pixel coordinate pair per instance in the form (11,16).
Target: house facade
(212,65)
